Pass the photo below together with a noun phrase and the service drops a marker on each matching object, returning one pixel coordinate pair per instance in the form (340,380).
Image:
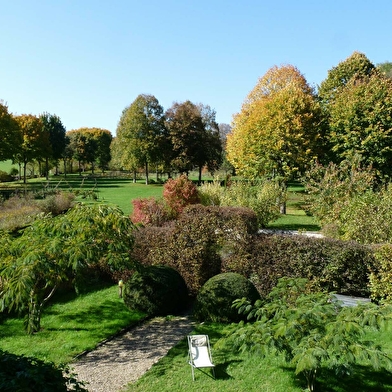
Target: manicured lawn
(243,372)
(70,327)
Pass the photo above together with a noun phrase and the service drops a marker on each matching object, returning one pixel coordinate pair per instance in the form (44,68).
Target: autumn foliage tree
(10,138)
(279,128)
(35,140)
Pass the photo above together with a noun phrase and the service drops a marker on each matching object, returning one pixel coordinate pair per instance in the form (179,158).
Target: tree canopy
(10,138)
(140,133)
(194,135)
(278,130)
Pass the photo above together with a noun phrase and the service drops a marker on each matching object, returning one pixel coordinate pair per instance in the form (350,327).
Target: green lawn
(243,372)
(70,326)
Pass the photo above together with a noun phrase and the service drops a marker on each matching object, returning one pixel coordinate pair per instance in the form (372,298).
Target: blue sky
(86,60)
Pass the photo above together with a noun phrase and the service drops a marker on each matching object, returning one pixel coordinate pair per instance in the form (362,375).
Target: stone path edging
(123,359)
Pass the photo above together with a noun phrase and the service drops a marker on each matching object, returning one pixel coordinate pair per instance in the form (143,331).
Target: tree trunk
(146,172)
(200,170)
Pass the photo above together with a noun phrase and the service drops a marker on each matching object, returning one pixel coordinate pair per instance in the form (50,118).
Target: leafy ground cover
(70,326)
(243,372)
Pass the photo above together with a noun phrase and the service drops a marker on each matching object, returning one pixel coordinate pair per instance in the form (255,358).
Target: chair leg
(193,373)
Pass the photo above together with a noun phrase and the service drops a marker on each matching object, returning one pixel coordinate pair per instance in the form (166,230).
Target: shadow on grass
(362,379)
(294,226)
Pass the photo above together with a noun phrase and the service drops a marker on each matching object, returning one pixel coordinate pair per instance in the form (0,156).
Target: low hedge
(329,264)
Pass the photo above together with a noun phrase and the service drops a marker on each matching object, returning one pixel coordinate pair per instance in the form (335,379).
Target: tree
(36,142)
(312,330)
(53,250)
(140,132)
(194,135)
(360,123)
(355,66)
(279,129)
(53,125)
(385,68)
(10,138)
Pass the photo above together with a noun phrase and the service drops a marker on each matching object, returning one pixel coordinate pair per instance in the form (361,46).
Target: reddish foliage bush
(150,211)
(179,193)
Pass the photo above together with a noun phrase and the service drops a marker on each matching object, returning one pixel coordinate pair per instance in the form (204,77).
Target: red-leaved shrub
(180,192)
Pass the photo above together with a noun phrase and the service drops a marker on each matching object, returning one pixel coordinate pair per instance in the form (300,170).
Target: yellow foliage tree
(279,128)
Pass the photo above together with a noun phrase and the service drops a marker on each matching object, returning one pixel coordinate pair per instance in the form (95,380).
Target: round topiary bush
(156,290)
(215,298)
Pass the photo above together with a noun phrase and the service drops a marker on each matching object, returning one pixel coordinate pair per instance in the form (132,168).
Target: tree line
(285,124)
(43,139)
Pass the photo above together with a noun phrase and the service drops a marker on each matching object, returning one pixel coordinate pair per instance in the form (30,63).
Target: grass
(295,217)
(243,372)
(70,326)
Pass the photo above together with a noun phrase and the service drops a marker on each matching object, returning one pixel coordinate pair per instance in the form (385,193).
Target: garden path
(123,359)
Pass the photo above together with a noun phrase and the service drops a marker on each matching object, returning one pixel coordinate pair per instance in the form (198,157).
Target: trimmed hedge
(329,264)
(215,298)
(196,242)
(156,291)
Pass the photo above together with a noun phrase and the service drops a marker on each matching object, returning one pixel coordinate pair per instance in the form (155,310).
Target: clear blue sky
(86,60)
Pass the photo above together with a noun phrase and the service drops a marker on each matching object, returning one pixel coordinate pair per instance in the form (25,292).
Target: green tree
(355,66)
(10,138)
(53,250)
(194,135)
(140,133)
(53,125)
(36,142)
(385,68)
(279,129)
(360,123)
(312,330)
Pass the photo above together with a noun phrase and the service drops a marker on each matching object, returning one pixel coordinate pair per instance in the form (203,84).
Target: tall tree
(194,134)
(140,131)
(360,123)
(53,125)
(278,131)
(35,143)
(10,138)
(385,68)
(355,66)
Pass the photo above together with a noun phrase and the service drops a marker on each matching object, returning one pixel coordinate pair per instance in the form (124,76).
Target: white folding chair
(200,353)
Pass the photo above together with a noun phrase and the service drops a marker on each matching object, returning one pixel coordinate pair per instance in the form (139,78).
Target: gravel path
(122,360)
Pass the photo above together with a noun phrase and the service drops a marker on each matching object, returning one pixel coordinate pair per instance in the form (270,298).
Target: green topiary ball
(215,298)
(156,291)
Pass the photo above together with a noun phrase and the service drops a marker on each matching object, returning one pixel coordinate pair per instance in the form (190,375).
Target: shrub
(263,198)
(329,264)
(150,211)
(21,373)
(156,291)
(215,299)
(5,177)
(381,274)
(179,193)
(58,203)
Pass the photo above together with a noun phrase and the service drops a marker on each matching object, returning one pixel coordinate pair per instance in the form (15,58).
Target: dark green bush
(20,373)
(331,265)
(156,291)
(5,177)
(215,298)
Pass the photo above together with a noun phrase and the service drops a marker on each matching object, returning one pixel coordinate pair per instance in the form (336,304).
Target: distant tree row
(43,139)
(285,124)
(184,137)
